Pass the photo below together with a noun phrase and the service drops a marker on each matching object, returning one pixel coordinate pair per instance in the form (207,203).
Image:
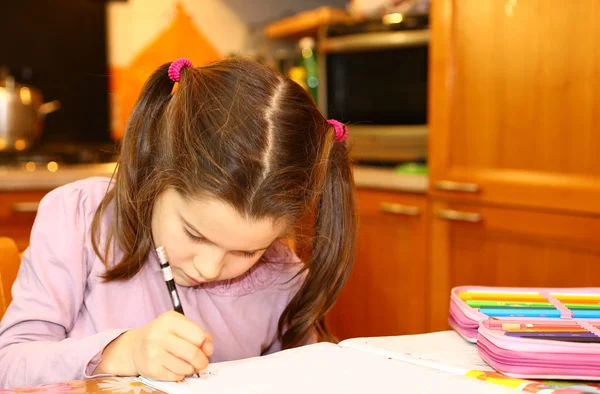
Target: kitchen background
(473,125)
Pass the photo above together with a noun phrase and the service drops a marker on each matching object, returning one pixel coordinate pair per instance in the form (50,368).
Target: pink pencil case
(529,357)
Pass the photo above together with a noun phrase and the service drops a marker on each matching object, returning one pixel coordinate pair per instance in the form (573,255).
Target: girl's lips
(193,280)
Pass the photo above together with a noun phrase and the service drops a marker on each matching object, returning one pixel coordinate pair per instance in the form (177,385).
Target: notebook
(407,364)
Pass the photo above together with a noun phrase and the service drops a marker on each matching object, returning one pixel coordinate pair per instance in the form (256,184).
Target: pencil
(551,334)
(168,275)
(567,338)
(520,312)
(548,330)
(578,298)
(492,296)
(527,324)
(508,304)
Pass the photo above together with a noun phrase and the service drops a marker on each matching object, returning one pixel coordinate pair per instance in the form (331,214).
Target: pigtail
(131,225)
(332,249)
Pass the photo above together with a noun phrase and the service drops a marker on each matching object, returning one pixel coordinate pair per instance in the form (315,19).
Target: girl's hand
(168,348)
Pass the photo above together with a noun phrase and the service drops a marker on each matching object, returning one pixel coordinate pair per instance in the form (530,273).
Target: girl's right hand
(168,348)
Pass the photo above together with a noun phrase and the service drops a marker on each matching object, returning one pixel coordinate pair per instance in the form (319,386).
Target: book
(426,363)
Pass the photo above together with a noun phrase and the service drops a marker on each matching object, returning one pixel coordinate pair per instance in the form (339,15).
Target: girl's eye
(195,238)
(191,236)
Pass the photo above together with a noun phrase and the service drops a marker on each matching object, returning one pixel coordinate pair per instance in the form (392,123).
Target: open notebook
(408,364)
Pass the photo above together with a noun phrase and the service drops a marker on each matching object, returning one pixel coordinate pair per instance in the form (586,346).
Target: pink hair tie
(341,131)
(175,68)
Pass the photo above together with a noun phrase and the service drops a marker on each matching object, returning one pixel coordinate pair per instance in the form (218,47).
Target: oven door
(377,83)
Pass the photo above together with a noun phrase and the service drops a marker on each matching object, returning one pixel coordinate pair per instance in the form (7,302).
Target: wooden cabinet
(514,102)
(515,180)
(17,213)
(475,244)
(514,173)
(385,294)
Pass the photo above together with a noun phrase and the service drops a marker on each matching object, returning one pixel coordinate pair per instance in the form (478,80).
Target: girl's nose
(209,265)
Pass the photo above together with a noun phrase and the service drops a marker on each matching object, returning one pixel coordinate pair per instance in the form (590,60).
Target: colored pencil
(527,324)
(568,339)
(525,312)
(520,312)
(519,304)
(578,298)
(491,296)
(575,298)
(586,314)
(583,306)
(507,304)
(549,330)
(551,334)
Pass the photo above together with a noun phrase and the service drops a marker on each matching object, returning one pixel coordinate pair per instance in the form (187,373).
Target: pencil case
(526,358)
(465,319)
(533,357)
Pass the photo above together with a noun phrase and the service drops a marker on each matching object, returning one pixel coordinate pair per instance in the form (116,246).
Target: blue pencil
(520,312)
(538,312)
(586,313)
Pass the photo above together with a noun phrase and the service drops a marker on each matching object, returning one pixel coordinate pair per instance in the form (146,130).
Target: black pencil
(168,275)
(566,339)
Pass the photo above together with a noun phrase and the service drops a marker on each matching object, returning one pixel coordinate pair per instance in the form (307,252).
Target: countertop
(12,179)
(388,179)
(22,180)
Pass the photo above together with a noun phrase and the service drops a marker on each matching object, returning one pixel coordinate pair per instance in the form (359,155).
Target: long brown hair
(240,132)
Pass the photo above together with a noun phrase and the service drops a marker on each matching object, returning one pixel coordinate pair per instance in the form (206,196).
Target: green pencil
(583,306)
(507,304)
(518,304)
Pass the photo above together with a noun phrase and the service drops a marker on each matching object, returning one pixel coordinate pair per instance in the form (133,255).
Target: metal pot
(22,113)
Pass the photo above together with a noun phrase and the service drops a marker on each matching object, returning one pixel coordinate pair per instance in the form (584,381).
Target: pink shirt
(62,314)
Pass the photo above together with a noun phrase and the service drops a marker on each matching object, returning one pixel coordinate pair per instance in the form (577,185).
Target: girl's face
(207,240)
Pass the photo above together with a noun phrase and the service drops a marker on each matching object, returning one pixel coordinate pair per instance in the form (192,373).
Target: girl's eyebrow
(213,243)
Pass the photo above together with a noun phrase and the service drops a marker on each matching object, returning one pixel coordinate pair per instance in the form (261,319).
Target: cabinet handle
(458,216)
(399,209)
(452,186)
(25,207)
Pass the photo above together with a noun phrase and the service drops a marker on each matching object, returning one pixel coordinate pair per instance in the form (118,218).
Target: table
(442,351)
(105,385)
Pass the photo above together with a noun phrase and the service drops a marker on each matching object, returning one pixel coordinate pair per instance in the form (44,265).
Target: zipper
(483,346)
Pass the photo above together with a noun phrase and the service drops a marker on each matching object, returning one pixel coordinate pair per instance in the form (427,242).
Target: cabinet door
(17,213)
(385,294)
(514,98)
(492,246)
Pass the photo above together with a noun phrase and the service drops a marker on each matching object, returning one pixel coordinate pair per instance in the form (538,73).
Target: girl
(218,172)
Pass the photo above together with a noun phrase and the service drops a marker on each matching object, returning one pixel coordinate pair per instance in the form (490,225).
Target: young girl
(219,171)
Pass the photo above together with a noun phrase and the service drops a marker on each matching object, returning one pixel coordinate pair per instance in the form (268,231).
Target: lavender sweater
(62,314)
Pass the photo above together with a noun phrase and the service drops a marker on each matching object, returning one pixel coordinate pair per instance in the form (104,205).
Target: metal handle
(25,207)
(458,216)
(374,41)
(399,209)
(452,186)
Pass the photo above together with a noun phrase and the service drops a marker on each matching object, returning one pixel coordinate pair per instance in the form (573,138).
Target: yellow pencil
(492,296)
(578,298)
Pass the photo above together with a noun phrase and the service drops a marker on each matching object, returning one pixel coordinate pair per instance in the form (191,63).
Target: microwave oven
(373,76)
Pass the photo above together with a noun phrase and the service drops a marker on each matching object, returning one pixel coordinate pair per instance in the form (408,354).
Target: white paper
(326,368)
(445,350)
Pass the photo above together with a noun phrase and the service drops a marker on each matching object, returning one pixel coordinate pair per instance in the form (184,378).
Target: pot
(22,113)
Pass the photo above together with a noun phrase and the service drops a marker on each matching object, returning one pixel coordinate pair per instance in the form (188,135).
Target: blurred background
(473,126)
